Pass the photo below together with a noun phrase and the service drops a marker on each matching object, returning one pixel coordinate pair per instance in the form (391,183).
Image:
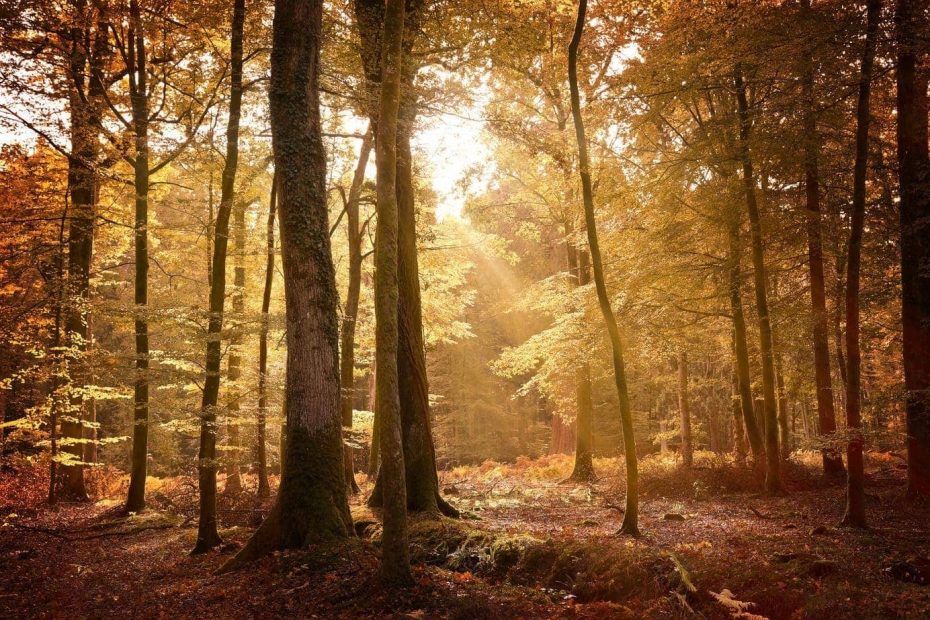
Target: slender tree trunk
(140,116)
(234,368)
(579,266)
(312,501)
(826,415)
(855,491)
(684,410)
(770,413)
(207,535)
(631,515)
(395,566)
(740,343)
(419,452)
(264,489)
(350,313)
(784,433)
(739,440)
(914,176)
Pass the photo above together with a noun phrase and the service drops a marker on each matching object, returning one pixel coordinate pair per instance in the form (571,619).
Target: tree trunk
(234,367)
(85,92)
(684,410)
(770,413)
(826,415)
(855,491)
(350,314)
(312,501)
(631,515)
(136,64)
(739,440)
(395,566)
(740,343)
(207,535)
(914,175)
(264,489)
(580,267)
(419,452)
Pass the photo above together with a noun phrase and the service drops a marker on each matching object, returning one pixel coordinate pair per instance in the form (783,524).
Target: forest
(465,309)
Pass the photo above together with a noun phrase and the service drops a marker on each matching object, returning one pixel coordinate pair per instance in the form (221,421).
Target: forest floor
(531,546)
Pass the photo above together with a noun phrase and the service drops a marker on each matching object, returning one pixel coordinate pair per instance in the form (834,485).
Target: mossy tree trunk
(395,566)
(419,451)
(312,501)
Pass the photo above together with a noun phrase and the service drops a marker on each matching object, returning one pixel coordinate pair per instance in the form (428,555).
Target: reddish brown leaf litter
(529,547)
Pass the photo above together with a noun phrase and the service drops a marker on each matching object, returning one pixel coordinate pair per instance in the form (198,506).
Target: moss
(507,551)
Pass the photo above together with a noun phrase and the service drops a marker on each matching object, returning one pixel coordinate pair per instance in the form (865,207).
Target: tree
(855,491)
(826,416)
(396,556)
(770,414)
(914,178)
(419,452)
(312,501)
(684,409)
(207,535)
(264,489)
(630,516)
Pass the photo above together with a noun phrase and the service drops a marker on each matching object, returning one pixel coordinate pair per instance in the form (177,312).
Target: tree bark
(234,367)
(740,343)
(419,452)
(138,86)
(826,415)
(85,92)
(914,177)
(855,489)
(207,534)
(583,471)
(395,565)
(264,489)
(770,413)
(312,502)
(684,410)
(631,515)
(350,313)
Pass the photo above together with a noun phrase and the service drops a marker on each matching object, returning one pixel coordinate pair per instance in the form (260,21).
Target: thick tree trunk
(740,343)
(350,312)
(207,535)
(684,410)
(264,489)
(855,490)
(772,460)
(140,117)
(826,415)
(85,91)
(631,515)
(312,501)
(914,175)
(395,566)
